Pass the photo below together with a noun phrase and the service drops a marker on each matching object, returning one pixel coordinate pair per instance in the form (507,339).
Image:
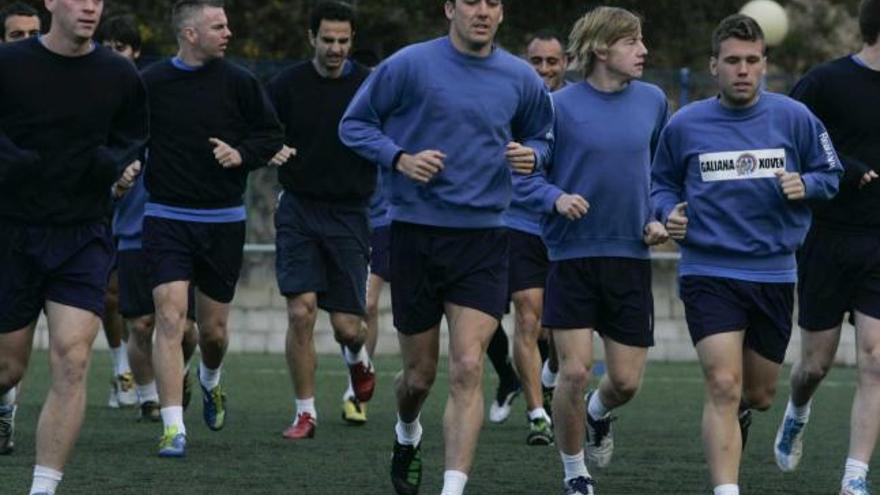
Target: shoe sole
(539,441)
(354,421)
(403,488)
(172,455)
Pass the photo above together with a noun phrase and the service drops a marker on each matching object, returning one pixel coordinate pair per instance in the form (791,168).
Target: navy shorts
(837,272)
(431,266)
(611,295)
(209,255)
(528,261)
(380,252)
(323,248)
(68,265)
(135,293)
(714,305)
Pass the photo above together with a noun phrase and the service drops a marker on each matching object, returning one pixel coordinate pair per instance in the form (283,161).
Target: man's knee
(418,381)
(574,374)
(724,387)
(141,331)
(301,310)
(625,385)
(348,329)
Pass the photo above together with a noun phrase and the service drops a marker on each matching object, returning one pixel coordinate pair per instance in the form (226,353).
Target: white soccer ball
(771,17)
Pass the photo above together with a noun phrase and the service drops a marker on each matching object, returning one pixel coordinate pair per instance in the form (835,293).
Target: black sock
(499,353)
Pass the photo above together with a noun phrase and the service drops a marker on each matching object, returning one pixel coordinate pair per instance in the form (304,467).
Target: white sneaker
(500,409)
(113,400)
(600,438)
(789,444)
(126,393)
(857,486)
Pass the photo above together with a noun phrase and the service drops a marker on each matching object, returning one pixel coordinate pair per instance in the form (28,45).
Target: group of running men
(486,188)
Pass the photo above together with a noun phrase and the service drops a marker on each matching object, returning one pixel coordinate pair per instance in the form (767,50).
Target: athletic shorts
(380,252)
(431,266)
(325,249)
(611,295)
(528,261)
(837,272)
(714,305)
(68,265)
(209,255)
(135,293)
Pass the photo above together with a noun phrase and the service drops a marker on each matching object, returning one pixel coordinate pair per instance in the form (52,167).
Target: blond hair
(596,31)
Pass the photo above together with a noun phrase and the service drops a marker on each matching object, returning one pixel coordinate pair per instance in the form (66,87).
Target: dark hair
(739,26)
(184,9)
(17,8)
(545,35)
(330,10)
(869,20)
(121,28)
(365,57)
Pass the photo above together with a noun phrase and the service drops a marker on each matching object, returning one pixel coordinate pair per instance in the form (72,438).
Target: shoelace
(602,427)
(790,430)
(581,485)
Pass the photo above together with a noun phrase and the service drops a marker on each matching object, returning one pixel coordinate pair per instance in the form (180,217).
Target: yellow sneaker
(354,412)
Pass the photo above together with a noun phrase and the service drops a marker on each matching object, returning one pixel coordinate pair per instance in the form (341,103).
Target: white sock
(8,399)
(147,393)
(306,406)
(208,377)
(408,433)
(574,465)
(352,358)
(548,378)
(539,413)
(453,483)
(45,480)
(596,408)
(801,413)
(173,416)
(726,490)
(349,392)
(120,360)
(854,469)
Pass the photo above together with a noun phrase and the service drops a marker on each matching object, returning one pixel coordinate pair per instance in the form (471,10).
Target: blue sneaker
(172,443)
(582,485)
(789,444)
(214,407)
(857,486)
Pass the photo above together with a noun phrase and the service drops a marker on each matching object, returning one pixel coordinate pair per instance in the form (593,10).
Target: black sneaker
(582,485)
(150,411)
(745,421)
(187,390)
(547,396)
(406,468)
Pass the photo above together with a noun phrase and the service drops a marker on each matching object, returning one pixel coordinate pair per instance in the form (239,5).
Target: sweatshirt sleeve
(14,161)
(819,164)
(533,123)
(127,138)
(264,136)
(361,128)
(667,177)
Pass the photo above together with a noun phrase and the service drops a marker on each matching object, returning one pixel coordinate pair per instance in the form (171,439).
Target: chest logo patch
(740,165)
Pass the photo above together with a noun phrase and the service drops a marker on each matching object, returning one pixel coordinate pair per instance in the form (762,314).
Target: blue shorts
(837,272)
(68,265)
(380,252)
(431,266)
(611,295)
(135,293)
(528,261)
(714,305)
(323,248)
(209,255)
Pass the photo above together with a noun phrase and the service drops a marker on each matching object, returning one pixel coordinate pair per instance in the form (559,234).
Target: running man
(730,177)
(447,119)
(838,267)
(19,21)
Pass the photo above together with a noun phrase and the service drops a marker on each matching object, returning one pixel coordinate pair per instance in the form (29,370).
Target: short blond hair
(596,31)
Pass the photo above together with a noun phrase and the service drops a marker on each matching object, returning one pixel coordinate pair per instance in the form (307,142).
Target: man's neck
(190,58)
(870,55)
(606,81)
(66,46)
(467,49)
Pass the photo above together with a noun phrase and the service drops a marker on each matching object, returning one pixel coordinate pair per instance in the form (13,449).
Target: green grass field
(658,448)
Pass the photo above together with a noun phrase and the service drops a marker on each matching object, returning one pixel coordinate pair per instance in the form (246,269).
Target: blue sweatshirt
(722,163)
(603,147)
(128,219)
(431,96)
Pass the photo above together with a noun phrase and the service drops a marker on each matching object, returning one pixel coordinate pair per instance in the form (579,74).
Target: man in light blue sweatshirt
(600,274)
(448,119)
(730,178)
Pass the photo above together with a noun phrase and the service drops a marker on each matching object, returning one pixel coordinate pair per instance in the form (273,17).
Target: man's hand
(129,175)
(521,158)
(226,155)
(655,233)
(572,206)
(280,158)
(869,177)
(676,223)
(792,185)
(421,167)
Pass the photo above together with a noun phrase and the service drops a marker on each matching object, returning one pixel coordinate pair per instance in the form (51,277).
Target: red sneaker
(302,427)
(363,381)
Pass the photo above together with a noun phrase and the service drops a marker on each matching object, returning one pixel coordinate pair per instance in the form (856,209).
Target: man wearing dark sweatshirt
(323,233)
(730,177)
(448,119)
(839,264)
(213,125)
(73,119)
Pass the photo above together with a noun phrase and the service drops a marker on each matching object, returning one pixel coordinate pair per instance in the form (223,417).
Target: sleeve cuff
(550,198)
(388,154)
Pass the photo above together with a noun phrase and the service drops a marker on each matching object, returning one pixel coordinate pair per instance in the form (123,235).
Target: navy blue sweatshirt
(68,127)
